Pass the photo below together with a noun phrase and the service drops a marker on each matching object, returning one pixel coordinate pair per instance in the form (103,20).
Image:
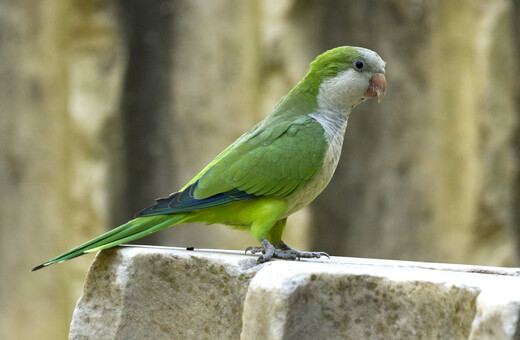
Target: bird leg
(281,251)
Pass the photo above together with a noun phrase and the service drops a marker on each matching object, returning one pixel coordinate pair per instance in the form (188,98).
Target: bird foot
(301,254)
(282,251)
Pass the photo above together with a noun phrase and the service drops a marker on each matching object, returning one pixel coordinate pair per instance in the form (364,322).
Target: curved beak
(377,87)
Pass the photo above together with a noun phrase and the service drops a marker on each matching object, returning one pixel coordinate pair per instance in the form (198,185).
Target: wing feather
(275,161)
(275,158)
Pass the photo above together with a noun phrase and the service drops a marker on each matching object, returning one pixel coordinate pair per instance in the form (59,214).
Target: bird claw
(255,250)
(282,251)
(302,254)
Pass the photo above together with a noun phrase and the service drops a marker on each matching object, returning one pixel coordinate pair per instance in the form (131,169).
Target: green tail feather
(132,230)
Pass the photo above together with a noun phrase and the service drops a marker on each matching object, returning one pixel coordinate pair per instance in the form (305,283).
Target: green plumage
(274,169)
(268,161)
(127,232)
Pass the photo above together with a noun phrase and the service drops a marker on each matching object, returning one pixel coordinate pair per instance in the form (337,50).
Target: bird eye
(359,64)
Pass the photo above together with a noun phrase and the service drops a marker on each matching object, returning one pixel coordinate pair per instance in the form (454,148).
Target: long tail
(132,230)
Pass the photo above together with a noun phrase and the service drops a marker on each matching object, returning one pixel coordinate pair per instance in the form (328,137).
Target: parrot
(276,168)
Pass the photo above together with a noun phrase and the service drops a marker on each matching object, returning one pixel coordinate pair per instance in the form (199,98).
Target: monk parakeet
(273,170)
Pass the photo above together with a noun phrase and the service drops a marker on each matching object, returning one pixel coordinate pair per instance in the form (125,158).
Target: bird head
(347,76)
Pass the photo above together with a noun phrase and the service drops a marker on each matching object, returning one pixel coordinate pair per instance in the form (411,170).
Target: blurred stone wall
(106,105)
(431,173)
(61,70)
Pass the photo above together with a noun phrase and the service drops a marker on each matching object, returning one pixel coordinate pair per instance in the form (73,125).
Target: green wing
(276,158)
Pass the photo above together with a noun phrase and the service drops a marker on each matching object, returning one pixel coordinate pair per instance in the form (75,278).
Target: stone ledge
(169,293)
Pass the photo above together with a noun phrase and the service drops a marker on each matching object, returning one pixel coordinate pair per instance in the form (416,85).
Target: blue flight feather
(183,201)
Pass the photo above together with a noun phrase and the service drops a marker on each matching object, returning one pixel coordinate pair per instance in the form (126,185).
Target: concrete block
(169,293)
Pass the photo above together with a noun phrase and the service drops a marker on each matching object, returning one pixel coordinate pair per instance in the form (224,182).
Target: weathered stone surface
(157,293)
(165,293)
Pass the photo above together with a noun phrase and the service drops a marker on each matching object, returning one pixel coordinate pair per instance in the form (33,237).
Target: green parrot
(275,169)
